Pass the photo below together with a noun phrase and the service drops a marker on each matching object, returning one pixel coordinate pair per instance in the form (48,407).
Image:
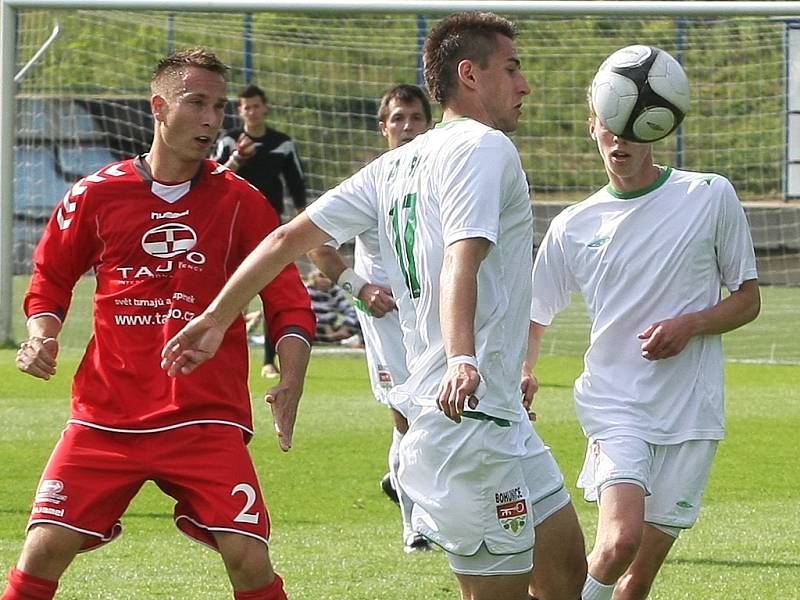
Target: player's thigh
(622,459)
(679,479)
(88,482)
(559,558)
(215,483)
(493,587)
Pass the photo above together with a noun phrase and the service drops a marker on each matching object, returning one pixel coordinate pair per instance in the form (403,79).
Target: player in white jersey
(452,209)
(649,253)
(404,113)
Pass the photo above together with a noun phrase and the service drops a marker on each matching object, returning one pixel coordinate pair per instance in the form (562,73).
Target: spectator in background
(336,317)
(268,159)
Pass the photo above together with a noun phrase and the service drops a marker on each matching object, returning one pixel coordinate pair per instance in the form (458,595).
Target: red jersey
(160,253)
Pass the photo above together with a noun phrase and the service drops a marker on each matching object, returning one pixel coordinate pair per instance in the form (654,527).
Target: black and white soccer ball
(640,93)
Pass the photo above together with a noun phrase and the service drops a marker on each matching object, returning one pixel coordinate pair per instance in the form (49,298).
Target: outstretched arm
(199,339)
(669,337)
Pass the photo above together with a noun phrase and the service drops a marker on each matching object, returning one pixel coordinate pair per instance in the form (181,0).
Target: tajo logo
(168,240)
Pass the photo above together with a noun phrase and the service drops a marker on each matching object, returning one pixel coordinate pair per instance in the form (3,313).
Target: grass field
(336,537)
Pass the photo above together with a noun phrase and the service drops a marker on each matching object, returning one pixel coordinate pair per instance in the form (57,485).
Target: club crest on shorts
(385,377)
(512,510)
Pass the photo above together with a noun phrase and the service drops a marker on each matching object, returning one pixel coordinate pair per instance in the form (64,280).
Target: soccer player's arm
(736,260)
(374,299)
(66,251)
(470,210)
(290,323)
(552,286)
(200,339)
(458,301)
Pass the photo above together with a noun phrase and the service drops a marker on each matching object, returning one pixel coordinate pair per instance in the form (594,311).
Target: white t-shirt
(638,259)
(460,180)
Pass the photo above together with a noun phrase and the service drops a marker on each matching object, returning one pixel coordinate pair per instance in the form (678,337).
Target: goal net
(84,103)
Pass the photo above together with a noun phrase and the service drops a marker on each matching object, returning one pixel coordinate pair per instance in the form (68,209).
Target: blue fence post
(422,33)
(248,47)
(170,33)
(680,45)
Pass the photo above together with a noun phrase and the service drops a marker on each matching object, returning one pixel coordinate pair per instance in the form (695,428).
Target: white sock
(394,465)
(594,590)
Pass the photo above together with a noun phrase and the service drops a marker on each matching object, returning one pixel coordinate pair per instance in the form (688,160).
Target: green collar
(450,122)
(662,177)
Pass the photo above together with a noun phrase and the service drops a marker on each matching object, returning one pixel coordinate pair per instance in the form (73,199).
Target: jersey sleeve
(287,307)
(733,243)
(293,176)
(225,147)
(68,249)
(475,178)
(553,283)
(350,208)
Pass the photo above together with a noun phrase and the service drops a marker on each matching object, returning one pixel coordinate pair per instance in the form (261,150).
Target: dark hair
(405,93)
(461,36)
(179,60)
(251,91)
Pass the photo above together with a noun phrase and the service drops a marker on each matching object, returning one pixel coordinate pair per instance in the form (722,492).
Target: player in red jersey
(162,232)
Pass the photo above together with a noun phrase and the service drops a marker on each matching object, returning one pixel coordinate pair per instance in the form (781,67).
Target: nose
(525,87)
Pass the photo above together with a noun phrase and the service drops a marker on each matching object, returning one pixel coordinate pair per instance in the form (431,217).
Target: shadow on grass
(778,564)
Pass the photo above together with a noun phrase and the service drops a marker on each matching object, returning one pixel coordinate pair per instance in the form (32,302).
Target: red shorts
(93,475)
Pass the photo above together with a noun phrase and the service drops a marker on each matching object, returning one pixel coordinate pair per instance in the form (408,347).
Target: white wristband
(462,359)
(350,282)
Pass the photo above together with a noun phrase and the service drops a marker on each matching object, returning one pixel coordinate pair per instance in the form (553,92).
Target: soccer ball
(640,93)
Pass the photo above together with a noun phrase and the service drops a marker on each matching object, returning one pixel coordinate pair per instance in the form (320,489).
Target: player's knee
(633,586)
(619,549)
(48,550)
(245,558)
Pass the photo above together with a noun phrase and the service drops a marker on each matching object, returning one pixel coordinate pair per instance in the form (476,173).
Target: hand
(667,338)
(198,341)
(245,147)
(462,383)
(377,299)
(283,400)
(37,357)
(529,386)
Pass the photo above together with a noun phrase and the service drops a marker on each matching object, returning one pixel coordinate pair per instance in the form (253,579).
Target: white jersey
(460,180)
(638,259)
(383,337)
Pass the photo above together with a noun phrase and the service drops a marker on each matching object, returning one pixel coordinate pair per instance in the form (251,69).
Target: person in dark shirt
(267,158)
(262,155)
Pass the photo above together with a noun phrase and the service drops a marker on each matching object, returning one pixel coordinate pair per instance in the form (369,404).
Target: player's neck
(169,169)
(256,130)
(635,182)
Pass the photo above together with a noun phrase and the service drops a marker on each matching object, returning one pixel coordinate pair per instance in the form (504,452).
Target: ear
(382,129)
(158,106)
(466,73)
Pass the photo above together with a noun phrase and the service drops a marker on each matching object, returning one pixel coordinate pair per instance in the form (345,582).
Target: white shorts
(386,356)
(478,485)
(674,477)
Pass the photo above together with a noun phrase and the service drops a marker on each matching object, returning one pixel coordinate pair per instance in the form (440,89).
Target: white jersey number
(406,210)
(250,499)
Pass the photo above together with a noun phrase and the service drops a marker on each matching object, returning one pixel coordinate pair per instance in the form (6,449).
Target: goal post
(325,64)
